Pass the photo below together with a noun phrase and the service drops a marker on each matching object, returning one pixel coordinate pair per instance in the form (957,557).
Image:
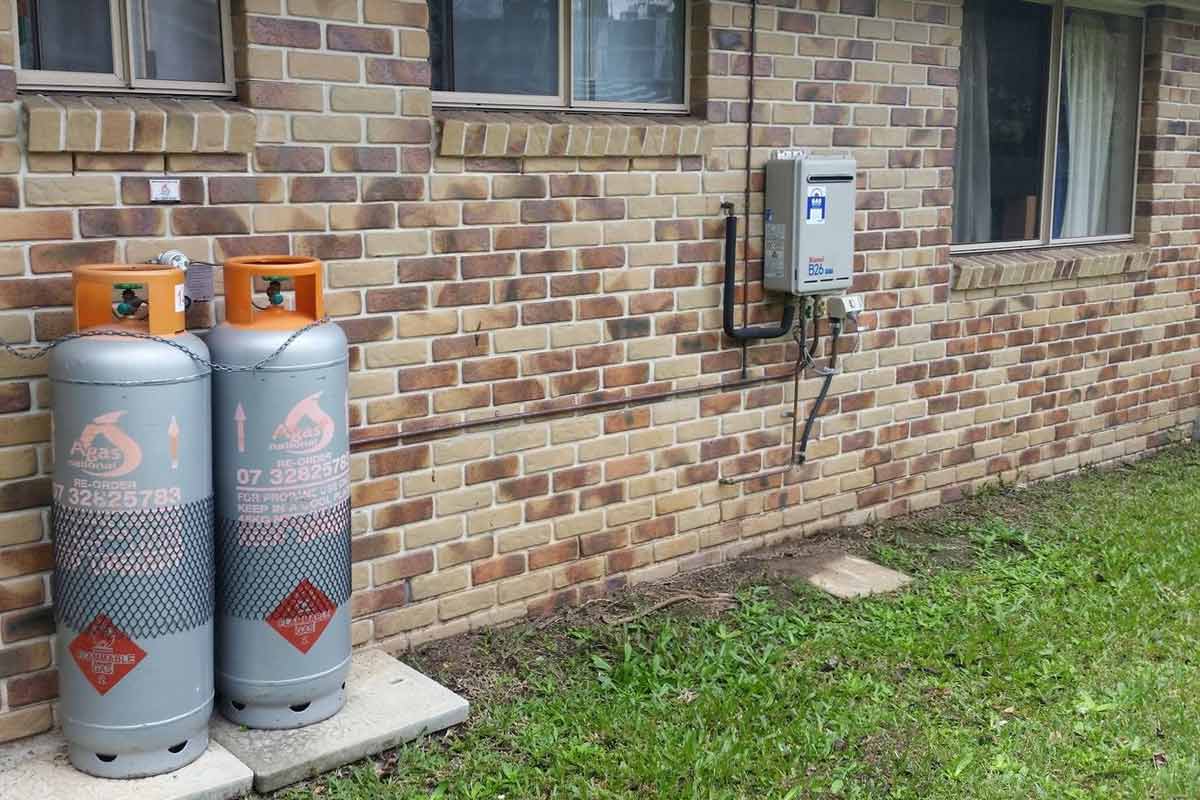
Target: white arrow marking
(173,436)
(239,416)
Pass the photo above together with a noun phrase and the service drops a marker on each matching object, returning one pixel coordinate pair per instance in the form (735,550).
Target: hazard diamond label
(302,616)
(104,653)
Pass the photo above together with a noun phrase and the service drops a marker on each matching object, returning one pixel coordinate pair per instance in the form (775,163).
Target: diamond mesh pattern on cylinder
(150,571)
(260,563)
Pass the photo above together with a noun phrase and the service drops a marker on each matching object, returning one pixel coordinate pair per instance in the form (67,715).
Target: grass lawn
(1048,648)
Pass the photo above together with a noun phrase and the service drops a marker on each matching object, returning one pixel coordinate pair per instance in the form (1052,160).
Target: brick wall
(557,261)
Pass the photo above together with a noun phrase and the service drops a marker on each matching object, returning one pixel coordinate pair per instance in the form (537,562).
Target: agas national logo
(306,429)
(103,449)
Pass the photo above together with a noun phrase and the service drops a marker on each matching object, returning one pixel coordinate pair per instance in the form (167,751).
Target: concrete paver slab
(849,577)
(37,769)
(388,703)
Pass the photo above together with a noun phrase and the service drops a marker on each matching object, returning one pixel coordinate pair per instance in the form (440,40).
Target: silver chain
(34,353)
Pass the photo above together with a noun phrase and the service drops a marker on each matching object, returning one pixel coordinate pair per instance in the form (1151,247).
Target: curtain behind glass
(973,156)
(1099,122)
(495,46)
(66,35)
(629,51)
(178,40)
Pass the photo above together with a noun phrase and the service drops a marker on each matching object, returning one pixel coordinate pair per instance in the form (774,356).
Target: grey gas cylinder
(282,476)
(132,520)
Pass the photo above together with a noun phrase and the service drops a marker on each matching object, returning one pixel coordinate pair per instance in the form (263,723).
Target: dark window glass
(178,40)
(495,46)
(629,51)
(1097,124)
(1000,157)
(65,35)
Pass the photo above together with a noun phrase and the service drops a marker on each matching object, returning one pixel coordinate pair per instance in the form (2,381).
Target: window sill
(555,134)
(1024,267)
(136,124)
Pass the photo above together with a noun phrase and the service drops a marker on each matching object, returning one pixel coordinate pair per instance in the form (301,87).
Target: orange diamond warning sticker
(104,653)
(302,616)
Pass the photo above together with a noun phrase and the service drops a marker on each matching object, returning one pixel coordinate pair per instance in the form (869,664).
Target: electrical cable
(830,372)
(746,194)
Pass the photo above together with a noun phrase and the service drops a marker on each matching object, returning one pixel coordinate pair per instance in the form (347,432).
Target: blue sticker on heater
(815,210)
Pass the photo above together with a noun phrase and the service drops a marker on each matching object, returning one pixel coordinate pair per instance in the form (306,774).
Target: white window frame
(122,78)
(1050,139)
(565,99)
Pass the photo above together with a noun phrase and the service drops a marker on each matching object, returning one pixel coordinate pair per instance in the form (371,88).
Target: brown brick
(463,293)
(396,12)
(574,186)
(497,568)
(402,567)
(455,347)
(364,216)
(546,211)
(398,130)
(27,624)
(397,72)
(522,488)
(209,221)
(514,186)
(458,187)
(602,257)
(398,298)
(32,225)
(367,329)
(317,189)
(36,688)
(461,241)
(23,593)
(403,459)
(402,513)
(428,377)
(238,189)
(276,158)
(29,292)
(10,193)
(551,554)
(27,658)
(281,95)
(329,246)
(251,246)
(363,159)
(517,391)
(283,32)
(602,208)
(489,265)
(14,397)
(26,721)
(379,188)
(47,258)
(491,369)
(412,270)
(359,39)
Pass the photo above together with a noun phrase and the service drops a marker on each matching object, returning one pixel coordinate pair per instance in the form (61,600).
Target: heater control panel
(808,224)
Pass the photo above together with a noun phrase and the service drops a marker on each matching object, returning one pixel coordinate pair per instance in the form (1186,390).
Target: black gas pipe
(728,299)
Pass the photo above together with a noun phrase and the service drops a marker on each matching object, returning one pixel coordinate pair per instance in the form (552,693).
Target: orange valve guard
(306,278)
(94,285)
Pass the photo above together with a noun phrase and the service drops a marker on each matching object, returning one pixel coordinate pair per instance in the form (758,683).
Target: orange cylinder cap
(161,288)
(306,276)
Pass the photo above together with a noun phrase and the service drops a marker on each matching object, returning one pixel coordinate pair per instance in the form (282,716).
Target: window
(623,55)
(178,46)
(1047,126)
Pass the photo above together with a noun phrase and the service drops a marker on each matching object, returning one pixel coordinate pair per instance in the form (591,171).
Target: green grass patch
(1057,660)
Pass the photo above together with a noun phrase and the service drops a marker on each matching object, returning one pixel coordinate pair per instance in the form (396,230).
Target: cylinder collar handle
(159,288)
(306,276)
